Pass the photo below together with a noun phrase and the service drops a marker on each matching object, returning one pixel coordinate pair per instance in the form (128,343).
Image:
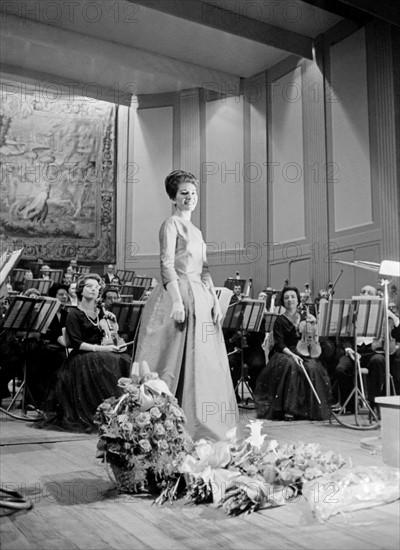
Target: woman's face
(91,289)
(186,197)
(72,289)
(290,300)
(62,295)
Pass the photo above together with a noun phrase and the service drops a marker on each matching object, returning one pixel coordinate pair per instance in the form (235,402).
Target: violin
(308,345)
(110,330)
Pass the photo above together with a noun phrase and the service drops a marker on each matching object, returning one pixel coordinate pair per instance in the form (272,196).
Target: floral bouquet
(245,476)
(142,434)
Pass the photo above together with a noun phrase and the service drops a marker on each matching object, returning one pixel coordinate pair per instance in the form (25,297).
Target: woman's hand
(298,360)
(216,311)
(109,348)
(109,315)
(178,312)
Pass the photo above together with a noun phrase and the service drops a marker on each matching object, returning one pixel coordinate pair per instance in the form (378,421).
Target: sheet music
(47,309)
(370,315)
(335,318)
(18,315)
(224,297)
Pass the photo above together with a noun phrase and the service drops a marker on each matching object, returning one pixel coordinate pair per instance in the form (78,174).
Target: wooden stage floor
(77,506)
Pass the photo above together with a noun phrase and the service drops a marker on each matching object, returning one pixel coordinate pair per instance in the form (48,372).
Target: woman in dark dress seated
(91,373)
(282,389)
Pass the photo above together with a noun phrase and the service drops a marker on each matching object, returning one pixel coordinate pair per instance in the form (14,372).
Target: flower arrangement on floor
(143,435)
(243,477)
(143,438)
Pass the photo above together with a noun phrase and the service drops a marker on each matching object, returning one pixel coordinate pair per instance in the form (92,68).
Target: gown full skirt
(191,358)
(84,381)
(283,389)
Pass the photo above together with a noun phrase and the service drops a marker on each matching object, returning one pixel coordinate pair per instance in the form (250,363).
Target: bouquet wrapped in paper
(143,435)
(245,476)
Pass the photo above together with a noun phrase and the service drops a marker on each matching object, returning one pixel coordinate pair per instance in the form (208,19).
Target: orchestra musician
(47,357)
(91,373)
(285,387)
(373,360)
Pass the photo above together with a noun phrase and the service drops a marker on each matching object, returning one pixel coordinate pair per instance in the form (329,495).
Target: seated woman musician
(288,385)
(94,365)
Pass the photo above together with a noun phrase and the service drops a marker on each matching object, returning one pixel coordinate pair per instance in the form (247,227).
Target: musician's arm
(394,318)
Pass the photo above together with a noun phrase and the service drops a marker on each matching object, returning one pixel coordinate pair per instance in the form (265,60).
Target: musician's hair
(293,289)
(82,281)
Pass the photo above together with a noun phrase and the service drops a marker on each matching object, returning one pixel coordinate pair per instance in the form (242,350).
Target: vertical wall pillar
(190,140)
(385,117)
(255,180)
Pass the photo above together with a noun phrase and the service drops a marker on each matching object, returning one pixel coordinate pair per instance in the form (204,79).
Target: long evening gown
(282,388)
(85,380)
(190,356)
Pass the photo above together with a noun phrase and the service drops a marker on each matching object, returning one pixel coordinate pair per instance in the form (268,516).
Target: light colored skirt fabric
(191,358)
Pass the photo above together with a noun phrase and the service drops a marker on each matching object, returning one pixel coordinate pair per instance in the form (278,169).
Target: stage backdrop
(58,179)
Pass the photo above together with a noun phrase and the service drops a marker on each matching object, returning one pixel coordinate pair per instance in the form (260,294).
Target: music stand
(28,315)
(243,317)
(224,296)
(358,317)
(43,285)
(132,292)
(128,318)
(142,281)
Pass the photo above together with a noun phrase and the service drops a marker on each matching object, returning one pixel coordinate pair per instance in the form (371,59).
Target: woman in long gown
(91,373)
(282,389)
(180,335)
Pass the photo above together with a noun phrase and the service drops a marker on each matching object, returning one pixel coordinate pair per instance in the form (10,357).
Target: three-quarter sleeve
(74,331)
(168,236)
(279,332)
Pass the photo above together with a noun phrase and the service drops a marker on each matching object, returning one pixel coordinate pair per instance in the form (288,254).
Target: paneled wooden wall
(299,171)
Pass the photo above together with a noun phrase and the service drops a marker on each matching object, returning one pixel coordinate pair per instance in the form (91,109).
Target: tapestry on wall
(58,179)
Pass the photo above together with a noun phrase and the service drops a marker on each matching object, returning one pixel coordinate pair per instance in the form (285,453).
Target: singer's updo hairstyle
(176,177)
